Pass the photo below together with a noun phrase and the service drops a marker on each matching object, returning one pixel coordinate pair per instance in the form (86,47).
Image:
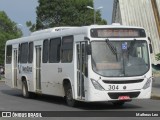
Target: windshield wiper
(112,48)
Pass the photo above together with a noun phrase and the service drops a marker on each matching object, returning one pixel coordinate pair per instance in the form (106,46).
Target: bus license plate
(124,98)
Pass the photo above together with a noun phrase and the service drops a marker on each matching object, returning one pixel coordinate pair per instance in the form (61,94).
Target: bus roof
(63,31)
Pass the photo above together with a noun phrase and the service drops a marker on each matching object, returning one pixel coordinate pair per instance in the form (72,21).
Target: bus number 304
(113,87)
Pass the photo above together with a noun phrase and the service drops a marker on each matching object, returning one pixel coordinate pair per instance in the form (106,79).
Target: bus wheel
(69,96)
(118,103)
(25,89)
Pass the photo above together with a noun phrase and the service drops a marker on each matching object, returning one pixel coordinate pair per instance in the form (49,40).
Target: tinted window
(45,51)
(24,53)
(30,56)
(19,55)
(54,50)
(67,49)
(9,54)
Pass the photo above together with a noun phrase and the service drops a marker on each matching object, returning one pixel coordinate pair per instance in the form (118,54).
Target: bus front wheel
(69,96)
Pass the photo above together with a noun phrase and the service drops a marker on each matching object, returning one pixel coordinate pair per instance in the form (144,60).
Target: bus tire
(118,103)
(69,96)
(25,92)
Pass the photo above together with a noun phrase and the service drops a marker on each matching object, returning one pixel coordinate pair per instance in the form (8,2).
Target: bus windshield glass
(120,58)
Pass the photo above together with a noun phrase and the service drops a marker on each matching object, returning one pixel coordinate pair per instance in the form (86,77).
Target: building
(143,13)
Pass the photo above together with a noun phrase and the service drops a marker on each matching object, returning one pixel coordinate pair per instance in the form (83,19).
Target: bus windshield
(120,58)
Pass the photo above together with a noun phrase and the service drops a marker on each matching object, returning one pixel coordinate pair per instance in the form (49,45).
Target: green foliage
(31,26)
(158,56)
(54,13)
(29,23)
(8,30)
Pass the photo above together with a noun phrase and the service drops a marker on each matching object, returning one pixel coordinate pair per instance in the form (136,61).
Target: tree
(54,13)
(31,26)
(8,30)
(157,56)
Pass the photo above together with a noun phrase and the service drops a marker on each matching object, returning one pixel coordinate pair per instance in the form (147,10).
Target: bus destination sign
(117,33)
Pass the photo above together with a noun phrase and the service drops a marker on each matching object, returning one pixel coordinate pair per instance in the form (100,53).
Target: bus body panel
(47,78)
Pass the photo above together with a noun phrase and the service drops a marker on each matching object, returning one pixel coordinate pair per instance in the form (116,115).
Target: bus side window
(19,54)
(24,53)
(54,50)
(45,50)
(67,49)
(9,54)
(30,56)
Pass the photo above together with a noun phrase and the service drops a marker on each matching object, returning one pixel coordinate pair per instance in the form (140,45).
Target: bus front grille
(122,82)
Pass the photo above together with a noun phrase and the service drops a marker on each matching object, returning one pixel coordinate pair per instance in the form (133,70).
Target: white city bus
(92,63)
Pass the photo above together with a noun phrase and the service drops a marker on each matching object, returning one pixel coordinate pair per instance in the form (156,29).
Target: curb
(155,97)
(2,80)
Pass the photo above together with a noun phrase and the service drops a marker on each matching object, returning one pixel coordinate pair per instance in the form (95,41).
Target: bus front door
(81,69)
(38,68)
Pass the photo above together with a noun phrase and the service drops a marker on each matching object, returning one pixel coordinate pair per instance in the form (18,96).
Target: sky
(21,11)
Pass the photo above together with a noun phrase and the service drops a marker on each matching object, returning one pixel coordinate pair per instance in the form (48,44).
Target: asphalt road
(12,100)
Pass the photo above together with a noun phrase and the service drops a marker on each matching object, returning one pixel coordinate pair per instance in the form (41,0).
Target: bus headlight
(148,83)
(97,85)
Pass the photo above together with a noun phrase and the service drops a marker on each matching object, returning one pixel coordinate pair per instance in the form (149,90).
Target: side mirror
(150,45)
(88,49)
(151,49)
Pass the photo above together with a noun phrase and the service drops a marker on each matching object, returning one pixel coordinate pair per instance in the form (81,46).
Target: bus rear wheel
(69,96)
(25,92)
